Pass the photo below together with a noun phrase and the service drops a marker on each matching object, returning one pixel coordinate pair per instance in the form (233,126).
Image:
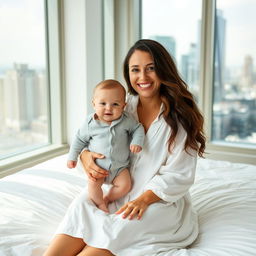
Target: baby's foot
(103,207)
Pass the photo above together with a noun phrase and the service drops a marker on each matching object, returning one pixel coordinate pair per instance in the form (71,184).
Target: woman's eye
(151,68)
(134,70)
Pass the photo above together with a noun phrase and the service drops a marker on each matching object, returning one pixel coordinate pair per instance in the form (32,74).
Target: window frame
(56,93)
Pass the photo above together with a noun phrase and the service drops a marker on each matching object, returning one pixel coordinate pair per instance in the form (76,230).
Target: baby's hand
(71,164)
(135,148)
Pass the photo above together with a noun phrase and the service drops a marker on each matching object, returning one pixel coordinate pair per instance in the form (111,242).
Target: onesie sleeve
(80,142)
(176,176)
(137,132)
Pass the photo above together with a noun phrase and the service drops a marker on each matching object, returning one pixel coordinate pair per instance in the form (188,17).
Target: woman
(156,217)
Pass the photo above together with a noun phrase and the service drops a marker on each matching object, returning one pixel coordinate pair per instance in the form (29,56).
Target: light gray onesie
(113,141)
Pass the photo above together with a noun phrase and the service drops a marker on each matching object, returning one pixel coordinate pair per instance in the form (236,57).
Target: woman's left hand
(138,206)
(133,208)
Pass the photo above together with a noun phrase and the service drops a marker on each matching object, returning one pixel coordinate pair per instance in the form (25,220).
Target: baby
(114,133)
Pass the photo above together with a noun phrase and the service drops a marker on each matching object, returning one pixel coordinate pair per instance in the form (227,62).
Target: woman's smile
(144,85)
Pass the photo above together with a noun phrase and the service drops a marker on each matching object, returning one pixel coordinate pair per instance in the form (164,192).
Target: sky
(22,32)
(179,18)
(22,28)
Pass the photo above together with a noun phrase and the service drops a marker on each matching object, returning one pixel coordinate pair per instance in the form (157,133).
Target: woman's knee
(63,245)
(92,251)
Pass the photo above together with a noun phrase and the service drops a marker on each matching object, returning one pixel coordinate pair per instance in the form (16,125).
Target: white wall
(83,58)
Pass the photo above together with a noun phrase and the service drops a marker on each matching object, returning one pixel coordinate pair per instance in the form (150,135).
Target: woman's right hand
(93,171)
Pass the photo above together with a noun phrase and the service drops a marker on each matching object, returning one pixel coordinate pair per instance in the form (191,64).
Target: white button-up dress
(167,225)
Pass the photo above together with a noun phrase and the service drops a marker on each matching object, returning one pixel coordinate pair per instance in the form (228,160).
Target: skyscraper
(168,42)
(247,73)
(21,97)
(219,50)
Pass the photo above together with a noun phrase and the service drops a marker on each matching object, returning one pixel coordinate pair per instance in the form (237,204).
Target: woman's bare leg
(91,251)
(64,245)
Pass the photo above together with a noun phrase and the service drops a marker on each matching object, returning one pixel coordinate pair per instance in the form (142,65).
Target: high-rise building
(193,66)
(220,49)
(247,78)
(21,97)
(184,67)
(189,68)
(168,42)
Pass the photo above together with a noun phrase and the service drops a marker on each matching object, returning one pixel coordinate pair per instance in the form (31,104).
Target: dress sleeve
(176,176)
(80,142)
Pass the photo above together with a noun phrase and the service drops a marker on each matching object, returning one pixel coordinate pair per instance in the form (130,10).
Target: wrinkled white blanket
(34,201)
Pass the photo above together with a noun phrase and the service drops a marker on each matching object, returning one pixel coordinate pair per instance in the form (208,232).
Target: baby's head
(109,100)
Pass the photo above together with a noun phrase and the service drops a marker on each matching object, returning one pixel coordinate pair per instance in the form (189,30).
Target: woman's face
(143,77)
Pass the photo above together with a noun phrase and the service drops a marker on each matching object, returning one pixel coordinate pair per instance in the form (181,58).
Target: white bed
(33,202)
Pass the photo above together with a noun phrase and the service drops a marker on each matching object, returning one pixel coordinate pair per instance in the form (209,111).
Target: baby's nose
(108,107)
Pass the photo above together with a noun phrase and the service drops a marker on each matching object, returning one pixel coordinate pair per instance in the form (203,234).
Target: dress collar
(132,104)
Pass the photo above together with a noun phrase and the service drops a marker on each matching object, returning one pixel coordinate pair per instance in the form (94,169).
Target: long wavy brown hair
(180,106)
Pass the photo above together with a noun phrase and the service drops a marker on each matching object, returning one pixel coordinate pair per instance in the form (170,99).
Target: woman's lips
(144,85)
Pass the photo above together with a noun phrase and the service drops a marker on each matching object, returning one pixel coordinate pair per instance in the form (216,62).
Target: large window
(32,91)
(24,113)
(234,90)
(213,43)
(176,25)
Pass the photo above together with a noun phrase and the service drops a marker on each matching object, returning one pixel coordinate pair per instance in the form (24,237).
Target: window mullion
(56,66)
(206,69)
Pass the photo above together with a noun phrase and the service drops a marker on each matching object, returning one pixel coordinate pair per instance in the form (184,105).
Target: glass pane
(234,106)
(176,25)
(24,118)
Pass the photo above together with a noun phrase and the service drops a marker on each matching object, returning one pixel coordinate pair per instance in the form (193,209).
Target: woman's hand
(138,206)
(93,171)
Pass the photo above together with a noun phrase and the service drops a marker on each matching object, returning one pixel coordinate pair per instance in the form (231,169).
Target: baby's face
(108,104)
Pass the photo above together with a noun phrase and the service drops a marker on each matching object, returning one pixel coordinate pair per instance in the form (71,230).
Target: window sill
(28,159)
(232,154)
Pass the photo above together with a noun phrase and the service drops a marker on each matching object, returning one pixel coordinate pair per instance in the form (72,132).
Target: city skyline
(24,117)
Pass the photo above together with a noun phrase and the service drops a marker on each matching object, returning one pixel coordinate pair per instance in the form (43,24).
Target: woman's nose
(143,75)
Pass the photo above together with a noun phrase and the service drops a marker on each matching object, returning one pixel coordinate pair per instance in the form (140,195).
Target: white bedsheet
(33,202)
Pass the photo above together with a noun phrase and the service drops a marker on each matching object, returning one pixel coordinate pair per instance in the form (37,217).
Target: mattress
(33,202)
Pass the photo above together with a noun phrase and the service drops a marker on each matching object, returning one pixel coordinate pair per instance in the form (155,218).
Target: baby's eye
(115,104)
(102,103)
